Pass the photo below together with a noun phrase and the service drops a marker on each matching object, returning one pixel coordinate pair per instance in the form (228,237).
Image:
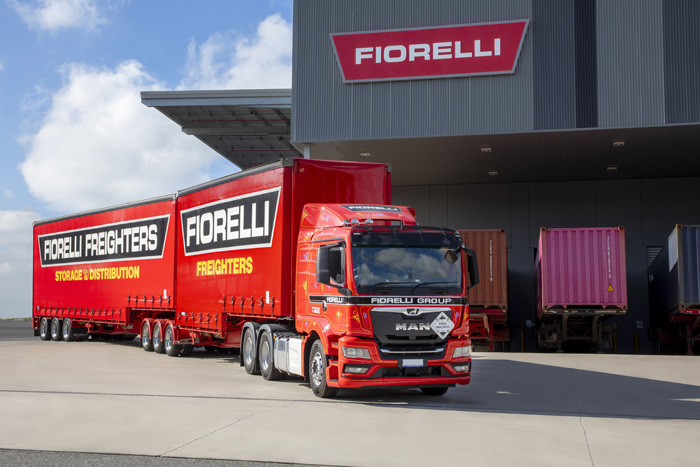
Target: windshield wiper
(443,283)
(378,284)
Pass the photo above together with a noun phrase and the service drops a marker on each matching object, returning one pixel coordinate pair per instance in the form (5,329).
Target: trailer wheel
(267,367)
(44,332)
(56,329)
(248,353)
(171,348)
(317,372)
(431,391)
(146,341)
(67,330)
(158,346)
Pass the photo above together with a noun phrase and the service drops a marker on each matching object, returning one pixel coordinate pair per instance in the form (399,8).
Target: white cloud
(56,15)
(16,263)
(230,61)
(98,145)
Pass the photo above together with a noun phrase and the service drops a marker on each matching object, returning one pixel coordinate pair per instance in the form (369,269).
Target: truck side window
(330,265)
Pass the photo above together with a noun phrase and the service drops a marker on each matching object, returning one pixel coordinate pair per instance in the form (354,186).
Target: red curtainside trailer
(302,265)
(581,280)
(103,271)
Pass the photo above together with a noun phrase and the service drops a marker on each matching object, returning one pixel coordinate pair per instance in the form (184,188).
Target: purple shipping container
(581,270)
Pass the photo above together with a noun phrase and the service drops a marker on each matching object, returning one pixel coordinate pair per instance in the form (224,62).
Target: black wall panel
(682,60)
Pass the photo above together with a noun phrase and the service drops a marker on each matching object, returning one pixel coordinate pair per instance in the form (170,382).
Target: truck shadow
(514,387)
(511,387)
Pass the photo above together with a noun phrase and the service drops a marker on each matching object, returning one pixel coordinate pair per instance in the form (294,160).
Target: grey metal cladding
(682,60)
(586,64)
(630,63)
(326,109)
(554,64)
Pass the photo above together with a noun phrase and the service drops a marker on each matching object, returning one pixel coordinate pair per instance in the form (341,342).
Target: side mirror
(472,266)
(330,265)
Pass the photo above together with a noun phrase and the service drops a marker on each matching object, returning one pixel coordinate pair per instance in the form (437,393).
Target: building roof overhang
(248,127)
(253,127)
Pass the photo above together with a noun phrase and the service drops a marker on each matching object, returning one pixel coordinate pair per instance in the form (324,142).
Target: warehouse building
(494,114)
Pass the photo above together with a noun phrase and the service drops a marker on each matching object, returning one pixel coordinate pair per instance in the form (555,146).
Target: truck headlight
(465,351)
(356,352)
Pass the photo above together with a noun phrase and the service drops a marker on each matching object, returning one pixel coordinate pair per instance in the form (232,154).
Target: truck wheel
(267,367)
(171,348)
(44,332)
(317,372)
(248,353)
(158,346)
(146,341)
(56,329)
(67,330)
(429,391)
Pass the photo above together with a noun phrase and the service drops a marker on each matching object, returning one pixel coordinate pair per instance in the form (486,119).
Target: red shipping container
(492,256)
(580,270)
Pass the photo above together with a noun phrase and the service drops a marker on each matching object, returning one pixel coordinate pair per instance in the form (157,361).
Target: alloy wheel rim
(317,369)
(265,355)
(248,350)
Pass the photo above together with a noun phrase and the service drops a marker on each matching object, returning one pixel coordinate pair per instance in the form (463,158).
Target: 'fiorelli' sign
(441,52)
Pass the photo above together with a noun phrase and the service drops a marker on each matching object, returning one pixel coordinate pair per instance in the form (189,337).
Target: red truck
(303,266)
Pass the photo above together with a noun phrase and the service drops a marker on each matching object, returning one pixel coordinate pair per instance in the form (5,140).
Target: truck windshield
(407,262)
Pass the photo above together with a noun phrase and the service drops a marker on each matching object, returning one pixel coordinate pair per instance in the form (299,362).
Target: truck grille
(407,327)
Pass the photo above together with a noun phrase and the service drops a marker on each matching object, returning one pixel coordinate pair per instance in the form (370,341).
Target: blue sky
(73,133)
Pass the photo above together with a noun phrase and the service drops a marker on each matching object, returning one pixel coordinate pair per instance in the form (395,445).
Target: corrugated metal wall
(326,109)
(682,60)
(584,64)
(630,63)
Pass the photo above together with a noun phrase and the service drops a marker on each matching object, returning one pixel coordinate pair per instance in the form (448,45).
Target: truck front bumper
(401,369)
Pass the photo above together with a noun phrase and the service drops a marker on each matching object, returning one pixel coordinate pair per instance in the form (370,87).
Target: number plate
(412,362)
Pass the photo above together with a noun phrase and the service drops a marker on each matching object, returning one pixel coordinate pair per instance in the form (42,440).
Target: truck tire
(171,348)
(146,341)
(248,353)
(67,330)
(433,391)
(158,346)
(44,331)
(317,372)
(187,350)
(56,329)
(265,358)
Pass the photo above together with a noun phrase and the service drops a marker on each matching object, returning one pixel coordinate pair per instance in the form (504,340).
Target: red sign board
(441,52)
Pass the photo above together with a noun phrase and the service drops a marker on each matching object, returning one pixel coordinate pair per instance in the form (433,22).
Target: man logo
(412,311)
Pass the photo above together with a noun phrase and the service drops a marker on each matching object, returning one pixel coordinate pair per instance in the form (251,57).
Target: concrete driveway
(521,409)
